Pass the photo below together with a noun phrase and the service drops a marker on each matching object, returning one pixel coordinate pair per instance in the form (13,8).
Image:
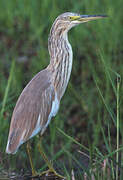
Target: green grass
(90,116)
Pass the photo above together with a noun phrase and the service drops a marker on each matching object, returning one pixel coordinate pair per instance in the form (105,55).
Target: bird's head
(67,20)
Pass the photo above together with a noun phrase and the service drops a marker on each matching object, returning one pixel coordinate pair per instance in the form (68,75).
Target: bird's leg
(50,166)
(41,151)
(30,158)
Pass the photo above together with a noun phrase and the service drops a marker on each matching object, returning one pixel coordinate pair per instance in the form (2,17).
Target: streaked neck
(60,60)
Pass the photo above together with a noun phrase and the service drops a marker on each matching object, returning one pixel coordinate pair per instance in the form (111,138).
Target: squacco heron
(40,99)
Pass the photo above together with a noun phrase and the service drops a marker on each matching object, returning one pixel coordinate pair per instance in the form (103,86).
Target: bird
(40,100)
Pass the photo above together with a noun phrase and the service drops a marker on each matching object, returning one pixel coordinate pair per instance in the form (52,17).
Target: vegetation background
(91,110)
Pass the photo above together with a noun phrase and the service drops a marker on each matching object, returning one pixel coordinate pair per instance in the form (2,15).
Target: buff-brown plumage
(40,99)
(31,103)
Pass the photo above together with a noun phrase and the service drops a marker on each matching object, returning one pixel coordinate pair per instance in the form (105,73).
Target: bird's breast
(66,68)
(55,107)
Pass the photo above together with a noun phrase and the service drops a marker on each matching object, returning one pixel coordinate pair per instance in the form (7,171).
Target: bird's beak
(85,18)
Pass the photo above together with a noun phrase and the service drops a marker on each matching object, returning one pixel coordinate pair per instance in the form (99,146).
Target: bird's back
(32,111)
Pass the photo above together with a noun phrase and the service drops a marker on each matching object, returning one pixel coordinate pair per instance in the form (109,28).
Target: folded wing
(33,111)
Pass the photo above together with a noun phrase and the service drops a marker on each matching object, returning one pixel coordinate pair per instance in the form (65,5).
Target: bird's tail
(14,141)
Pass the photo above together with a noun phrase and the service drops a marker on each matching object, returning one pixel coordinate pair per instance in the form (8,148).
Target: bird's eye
(70,18)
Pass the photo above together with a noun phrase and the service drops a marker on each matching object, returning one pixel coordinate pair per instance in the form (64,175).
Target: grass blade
(72,139)
(7,89)
(118,127)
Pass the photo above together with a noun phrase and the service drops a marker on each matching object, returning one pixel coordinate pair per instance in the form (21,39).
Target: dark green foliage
(88,110)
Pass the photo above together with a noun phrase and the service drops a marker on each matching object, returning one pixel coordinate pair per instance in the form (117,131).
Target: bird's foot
(51,173)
